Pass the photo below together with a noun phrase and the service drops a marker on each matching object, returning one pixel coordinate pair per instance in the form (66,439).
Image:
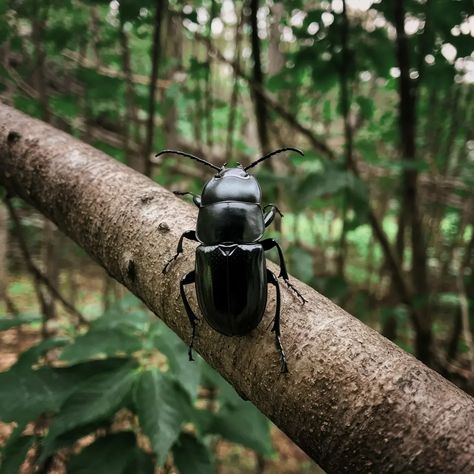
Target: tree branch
(352,400)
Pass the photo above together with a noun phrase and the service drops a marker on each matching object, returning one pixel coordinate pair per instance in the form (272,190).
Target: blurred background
(378,214)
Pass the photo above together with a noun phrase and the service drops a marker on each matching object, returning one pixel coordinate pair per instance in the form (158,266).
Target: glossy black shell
(231,286)
(230,210)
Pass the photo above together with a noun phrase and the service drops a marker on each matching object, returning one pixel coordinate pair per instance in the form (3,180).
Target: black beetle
(230,275)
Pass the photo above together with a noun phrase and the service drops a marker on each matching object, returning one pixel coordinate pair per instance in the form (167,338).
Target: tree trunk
(345,102)
(257,76)
(3,253)
(352,400)
(160,9)
(409,201)
(131,114)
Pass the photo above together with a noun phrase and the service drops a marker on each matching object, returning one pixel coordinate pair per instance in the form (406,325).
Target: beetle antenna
(269,155)
(182,153)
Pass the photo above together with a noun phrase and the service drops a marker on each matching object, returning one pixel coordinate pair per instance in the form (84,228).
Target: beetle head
(231,184)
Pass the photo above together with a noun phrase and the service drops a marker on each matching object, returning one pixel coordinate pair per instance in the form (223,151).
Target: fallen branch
(353,401)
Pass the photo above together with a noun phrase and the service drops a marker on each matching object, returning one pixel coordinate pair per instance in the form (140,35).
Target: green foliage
(192,456)
(14,453)
(161,405)
(117,453)
(128,363)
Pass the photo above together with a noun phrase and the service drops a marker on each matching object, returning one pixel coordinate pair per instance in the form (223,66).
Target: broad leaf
(8,323)
(187,373)
(161,406)
(33,354)
(226,393)
(116,453)
(26,394)
(95,399)
(14,453)
(100,343)
(127,314)
(191,456)
(244,425)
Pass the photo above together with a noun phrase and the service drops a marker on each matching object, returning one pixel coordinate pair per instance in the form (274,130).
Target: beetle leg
(187,280)
(272,280)
(270,215)
(196,197)
(191,235)
(268,244)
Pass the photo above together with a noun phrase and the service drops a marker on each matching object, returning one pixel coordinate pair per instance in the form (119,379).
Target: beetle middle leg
(189,234)
(268,244)
(272,280)
(270,215)
(187,280)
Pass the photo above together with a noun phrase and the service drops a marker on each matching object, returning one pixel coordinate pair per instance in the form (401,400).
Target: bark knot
(129,269)
(147,198)
(13,136)
(163,227)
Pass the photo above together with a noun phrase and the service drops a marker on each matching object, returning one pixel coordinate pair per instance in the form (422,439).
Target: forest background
(378,215)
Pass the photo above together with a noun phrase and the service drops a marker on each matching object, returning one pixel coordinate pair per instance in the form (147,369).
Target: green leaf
(244,425)
(8,323)
(116,453)
(161,406)
(226,393)
(327,113)
(95,399)
(95,344)
(127,314)
(26,394)
(14,453)
(31,356)
(187,373)
(366,106)
(52,445)
(191,456)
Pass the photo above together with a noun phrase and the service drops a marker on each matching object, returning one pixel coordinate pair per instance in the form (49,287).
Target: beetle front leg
(196,197)
(272,280)
(268,244)
(187,280)
(189,234)
(270,215)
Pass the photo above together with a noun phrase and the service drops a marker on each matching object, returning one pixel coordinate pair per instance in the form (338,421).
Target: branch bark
(353,400)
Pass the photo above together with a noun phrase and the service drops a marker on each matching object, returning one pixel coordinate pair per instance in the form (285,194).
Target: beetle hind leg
(187,280)
(272,279)
(268,244)
(293,288)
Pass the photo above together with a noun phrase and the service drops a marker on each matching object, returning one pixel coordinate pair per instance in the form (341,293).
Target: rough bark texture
(353,400)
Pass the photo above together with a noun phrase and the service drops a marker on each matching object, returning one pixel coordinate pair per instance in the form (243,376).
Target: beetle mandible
(230,274)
